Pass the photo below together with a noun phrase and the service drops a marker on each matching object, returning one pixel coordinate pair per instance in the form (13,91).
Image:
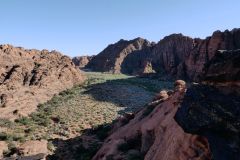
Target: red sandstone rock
(82,61)
(111,58)
(175,55)
(30,77)
(154,135)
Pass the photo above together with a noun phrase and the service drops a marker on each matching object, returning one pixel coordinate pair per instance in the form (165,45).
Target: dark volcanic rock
(81,61)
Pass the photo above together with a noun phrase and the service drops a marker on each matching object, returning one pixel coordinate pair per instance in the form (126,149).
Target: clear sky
(80,27)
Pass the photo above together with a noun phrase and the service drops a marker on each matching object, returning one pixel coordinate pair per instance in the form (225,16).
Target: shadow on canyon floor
(83,147)
(129,95)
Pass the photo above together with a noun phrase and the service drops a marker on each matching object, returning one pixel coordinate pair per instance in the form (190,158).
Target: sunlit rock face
(30,77)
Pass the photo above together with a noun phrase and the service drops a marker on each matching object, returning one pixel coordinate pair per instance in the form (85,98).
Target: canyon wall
(176,55)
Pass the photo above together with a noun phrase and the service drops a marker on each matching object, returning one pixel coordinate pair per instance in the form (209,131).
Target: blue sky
(80,27)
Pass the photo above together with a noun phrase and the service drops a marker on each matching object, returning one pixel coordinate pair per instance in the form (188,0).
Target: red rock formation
(82,61)
(111,58)
(175,55)
(153,134)
(30,77)
(211,108)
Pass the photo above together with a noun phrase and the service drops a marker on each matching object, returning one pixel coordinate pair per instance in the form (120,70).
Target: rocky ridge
(31,77)
(111,58)
(153,134)
(176,55)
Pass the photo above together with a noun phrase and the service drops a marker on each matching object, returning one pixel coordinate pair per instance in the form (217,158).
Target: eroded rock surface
(175,55)
(30,77)
(153,134)
(212,108)
(112,57)
(82,61)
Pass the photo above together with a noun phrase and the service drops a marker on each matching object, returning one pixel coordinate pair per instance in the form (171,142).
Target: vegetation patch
(92,106)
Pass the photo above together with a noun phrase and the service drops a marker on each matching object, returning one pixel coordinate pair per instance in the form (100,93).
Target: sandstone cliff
(212,108)
(30,77)
(81,61)
(176,55)
(111,58)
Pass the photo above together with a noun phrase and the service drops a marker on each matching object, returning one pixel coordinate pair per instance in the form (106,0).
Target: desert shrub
(11,137)
(6,123)
(50,146)
(24,121)
(41,119)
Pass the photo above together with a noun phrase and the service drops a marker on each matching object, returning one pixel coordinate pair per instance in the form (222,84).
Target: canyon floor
(78,118)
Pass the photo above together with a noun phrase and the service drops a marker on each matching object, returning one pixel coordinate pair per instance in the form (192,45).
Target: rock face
(153,134)
(224,67)
(111,58)
(30,77)
(212,108)
(82,61)
(176,55)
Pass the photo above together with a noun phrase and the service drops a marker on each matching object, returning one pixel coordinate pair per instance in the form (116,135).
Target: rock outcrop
(81,61)
(30,77)
(176,55)
(153,134)
(112,57)
(212,108)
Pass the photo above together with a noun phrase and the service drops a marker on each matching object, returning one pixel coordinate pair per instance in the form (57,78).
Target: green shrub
(11,137)
(6,123)
(24,121)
